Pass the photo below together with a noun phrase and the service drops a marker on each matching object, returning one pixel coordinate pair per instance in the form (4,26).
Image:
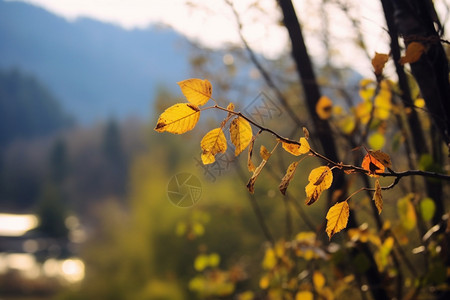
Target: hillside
(98,70)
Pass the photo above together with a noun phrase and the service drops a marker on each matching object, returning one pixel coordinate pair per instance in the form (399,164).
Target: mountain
(98,70)
(27,108)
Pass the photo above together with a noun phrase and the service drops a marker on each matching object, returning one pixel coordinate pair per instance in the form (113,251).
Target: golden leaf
(382,157)
(264,153)
(288,177)
(318,280)
(324,107)
(212,143)
(304,295)
(178,118)
(319,179)
(337,218)
(413,53)
(383,105)
(406,211)
(377,197)
(378,62)
(297,149)
(372,165)
(240,134)
(196,91)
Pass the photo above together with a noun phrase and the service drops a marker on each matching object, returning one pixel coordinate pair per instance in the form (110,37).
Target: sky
(212,23)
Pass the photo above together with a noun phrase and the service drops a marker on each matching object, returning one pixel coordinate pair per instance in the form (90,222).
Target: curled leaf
(212,143)
(306,132)
(320,179)
(337,218)
(324,107)
(377,197)
(240,134)
(295,149)
(196,91)
(288,177)
(264,153)
(178,118)
(372,165)
(251,167)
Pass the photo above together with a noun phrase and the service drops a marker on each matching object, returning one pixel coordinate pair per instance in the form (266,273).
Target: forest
(255,178)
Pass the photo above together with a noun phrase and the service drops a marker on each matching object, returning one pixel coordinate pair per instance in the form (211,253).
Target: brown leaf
(378,62)
(382,157)
(251,167)
(413,53)
(288,177)
(377,197)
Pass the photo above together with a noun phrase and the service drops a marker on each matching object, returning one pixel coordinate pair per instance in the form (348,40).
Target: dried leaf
(240,134)
(297,149)
(212,143)
(413,53)
(378,62)
(288,177)
(251,167)
(324,107)
(372,165)
(337,218)
(320,179)
(265,154)
(377,197)
(382,157)
(252,180)
(306,132)
(196,91)
(178,118)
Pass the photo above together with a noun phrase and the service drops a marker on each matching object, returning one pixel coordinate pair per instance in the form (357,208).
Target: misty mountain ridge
(97,70)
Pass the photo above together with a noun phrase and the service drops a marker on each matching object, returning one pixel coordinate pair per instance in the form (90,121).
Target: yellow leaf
(376,140)
(297,149)
(304,295)
(413,53)
(337,218)
(406,211)
(212,143)
(377,197)
(288,177)
(264,153)
(378,62)
(264,282)
(270,259)
(319,179)
(196,91)
(318,280)
(230,106)
(240,134)
(419,102)
(363,111)
(324,107)
(367,90)
(178,118)
(383,105)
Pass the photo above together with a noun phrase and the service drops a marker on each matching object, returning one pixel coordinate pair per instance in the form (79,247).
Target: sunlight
(16,225)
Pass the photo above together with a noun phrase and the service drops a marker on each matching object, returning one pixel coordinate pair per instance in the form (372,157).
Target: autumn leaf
(265,154)
(319,179)
(372,165)
(178,118)
(251,167)
(378,62)
(337,218)
(297,149)
(305,132)
(196,91)
(413,53)
(304,295)
(318,280)
(406,211)
(240,134)
(288,177)
(377,197)
(382,157)
(324,107)
(212,143)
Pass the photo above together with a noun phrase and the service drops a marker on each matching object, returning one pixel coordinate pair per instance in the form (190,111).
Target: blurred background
(87,207)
